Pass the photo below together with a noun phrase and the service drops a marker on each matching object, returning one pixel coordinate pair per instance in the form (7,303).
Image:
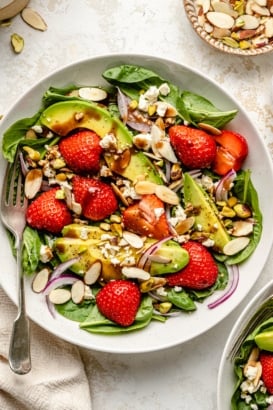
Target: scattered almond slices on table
(33,19)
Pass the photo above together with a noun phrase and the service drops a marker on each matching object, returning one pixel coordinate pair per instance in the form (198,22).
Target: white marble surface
(184,377)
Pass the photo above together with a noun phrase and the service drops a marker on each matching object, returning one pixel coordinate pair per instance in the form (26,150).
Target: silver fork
(13,214)
(263,312)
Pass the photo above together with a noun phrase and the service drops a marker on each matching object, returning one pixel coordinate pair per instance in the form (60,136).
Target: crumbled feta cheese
(143,141)
(164,89)
(161,291)
(158,212)
(177,289)
(108,142)
(84,233)
(251,372)
(269,399)
(246,397)
(37,128)
(161,108)
(209,243)
(151,94)
(143,104)
(114,261)
(254,406)
(129,191)
(206,182)
(45,253)
(248,386)
(199,227)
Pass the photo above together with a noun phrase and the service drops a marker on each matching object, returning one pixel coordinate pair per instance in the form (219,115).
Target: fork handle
(19,349)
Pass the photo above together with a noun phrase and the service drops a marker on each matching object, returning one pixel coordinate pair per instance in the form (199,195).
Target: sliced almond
(134,240)
(226,8)
(92,93)
(184,226)
(242,228)
(220,20)
(166,195)
(40,280)
(12,8)
(236,245)
(33,19)
(135,273)
(77,292)
(207,127)
(145,187)
(268,24)
(33,182)
(93,273)
(159,259)
(166,151)
(261,11)
(250,22)
(119,194)
(205,4)
(59,296)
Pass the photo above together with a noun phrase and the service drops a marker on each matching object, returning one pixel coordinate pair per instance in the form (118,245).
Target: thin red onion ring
(221,191)
(233,271)
(152,249)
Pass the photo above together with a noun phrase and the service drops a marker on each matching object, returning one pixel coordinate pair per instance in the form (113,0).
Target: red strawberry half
(48,213)
(147,218)
(97,199)
(81,151)
(266,360)
(201,271)
(195,148)
(119,301)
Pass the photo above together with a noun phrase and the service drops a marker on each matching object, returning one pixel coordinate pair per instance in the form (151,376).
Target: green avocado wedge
(66,116)
(205,213)
(264,340)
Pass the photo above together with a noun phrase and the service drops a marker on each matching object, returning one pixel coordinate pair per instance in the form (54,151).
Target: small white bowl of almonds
(243,27)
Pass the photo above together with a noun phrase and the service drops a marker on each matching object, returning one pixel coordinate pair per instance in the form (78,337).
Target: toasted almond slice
(236,245)
(93,273)
(166,151)
(77,292)
(166,195)
(33,182)
(242,228)
(134,240)
(40,280)
(268,24)
(159,259)
(59,296)
(261,11)
(135,273)
(205,4)
(119,194)
(145,187)
(92,93)
(184,226)
(33,19)
(207,127)
(220,20)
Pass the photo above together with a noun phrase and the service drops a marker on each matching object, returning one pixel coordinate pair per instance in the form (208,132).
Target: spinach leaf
(201,110)
(191,107)
(16,133)
(181,300)
(97,323)
(31,250)
(77,313)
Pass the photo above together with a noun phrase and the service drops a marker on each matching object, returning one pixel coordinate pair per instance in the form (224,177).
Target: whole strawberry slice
(266,360)
(201,271)
(147,218)
(195,148)
(48,213)
(81,151)
(97,199)
(119,301)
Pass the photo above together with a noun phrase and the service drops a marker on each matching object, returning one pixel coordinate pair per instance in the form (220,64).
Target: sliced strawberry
(147,218)
(96,198)
(119,301)
(48,213)
(81,151)
(195,148)
(201,271)
(266,360)
(232,150)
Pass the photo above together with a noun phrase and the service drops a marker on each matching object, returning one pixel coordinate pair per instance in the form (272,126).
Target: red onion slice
(63,267)
(233,271)
(223,186)
(152,249)
(123,102)
(62,280)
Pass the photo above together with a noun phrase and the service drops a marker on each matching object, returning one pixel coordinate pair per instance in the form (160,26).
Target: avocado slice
(66,116)
(85,241)
(264,340)
(205,213)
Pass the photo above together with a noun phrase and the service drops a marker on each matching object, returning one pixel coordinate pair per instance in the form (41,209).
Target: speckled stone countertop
(183,377)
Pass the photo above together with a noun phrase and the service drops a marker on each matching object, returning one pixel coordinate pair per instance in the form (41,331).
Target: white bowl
(185,327)
(226,377)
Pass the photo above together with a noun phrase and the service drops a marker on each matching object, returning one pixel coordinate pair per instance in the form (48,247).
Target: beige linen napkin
(57,380)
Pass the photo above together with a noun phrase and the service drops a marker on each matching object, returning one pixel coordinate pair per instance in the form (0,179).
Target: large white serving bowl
(185,327)
(226,377)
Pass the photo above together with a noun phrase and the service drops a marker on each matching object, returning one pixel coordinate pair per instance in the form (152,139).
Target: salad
(139,207)
(254,370)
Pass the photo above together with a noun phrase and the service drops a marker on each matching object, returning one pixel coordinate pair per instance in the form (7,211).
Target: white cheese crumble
(164,89)
(151,94)
(158,212)
(108,142)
